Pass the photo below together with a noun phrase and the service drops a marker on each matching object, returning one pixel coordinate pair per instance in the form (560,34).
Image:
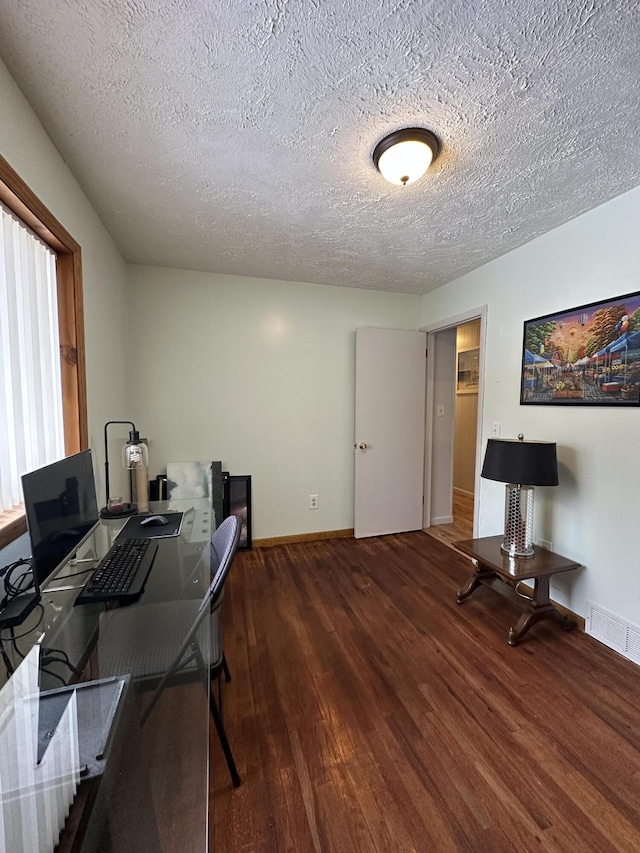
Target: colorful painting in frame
(585,356)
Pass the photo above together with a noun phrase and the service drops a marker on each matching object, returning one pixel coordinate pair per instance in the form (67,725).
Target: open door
(441,402)
(390,424)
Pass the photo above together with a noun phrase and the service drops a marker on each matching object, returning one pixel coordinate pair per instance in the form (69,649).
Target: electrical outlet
(495,430)
(313,502)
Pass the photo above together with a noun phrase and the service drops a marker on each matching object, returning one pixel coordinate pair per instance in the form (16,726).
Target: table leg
(478,575)
(540,608)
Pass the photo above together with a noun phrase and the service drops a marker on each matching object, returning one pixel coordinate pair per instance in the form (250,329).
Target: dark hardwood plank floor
(370,712)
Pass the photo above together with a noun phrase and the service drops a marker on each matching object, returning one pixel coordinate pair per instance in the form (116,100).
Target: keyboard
(122,572)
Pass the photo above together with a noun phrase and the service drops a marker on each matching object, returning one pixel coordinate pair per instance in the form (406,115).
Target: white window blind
(31,420)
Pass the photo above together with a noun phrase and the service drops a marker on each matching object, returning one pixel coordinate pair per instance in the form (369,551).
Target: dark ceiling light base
(407,134)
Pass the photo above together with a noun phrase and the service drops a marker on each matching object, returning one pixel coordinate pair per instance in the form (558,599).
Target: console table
(503,573)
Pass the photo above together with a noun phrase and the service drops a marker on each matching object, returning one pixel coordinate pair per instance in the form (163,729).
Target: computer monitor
(61,508)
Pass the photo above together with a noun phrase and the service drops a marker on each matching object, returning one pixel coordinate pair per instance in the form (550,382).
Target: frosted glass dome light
(405,155)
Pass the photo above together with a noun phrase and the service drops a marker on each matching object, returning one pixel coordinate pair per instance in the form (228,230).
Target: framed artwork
(468,371)
(584,356)
(188,480)
(238,502)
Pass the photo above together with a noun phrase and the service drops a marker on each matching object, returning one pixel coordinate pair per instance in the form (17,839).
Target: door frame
(432,329)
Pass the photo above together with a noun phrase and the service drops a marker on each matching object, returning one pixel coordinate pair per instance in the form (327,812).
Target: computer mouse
(154,521)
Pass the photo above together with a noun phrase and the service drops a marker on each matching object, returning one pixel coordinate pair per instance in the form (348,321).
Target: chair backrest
(222,549)
(223,546)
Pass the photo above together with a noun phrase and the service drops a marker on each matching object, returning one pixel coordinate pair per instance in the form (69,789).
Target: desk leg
(479,575)
(540,608)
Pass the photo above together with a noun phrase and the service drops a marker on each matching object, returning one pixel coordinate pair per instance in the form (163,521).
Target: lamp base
(511,551)
(127,509)
(518,521)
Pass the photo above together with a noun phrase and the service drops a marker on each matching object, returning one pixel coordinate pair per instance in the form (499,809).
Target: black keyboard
(122,573)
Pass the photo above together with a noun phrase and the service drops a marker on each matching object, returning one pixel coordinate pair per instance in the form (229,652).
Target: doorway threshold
(462,526)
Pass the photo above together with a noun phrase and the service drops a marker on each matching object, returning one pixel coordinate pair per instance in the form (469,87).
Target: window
(42,376)
(31,430)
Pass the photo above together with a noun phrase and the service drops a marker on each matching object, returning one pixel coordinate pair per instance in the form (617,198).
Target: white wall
(258,374)
(28,149)
(442,352)
(593,515)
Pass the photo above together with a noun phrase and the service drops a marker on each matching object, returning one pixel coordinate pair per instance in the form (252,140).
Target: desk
(153,793)
(503,573)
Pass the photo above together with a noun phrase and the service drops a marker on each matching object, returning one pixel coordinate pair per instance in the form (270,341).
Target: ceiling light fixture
(405,155)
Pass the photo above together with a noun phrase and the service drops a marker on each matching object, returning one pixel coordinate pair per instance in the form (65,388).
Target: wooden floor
(370,712)
(462,525)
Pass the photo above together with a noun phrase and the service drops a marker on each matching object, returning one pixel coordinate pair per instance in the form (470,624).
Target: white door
(389,439)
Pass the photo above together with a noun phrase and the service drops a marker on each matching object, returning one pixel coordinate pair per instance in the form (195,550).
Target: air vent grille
(633,644)
(613,631)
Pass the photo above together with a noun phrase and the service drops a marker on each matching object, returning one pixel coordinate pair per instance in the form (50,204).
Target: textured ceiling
(236,136)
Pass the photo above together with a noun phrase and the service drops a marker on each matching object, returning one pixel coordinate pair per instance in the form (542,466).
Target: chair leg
(215,713)
(224,743)
(220,699)
(225,668)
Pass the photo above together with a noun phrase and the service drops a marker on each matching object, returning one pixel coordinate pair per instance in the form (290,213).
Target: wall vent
(613,631)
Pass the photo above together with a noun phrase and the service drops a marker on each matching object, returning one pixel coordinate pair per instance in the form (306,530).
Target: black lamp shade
(527,463)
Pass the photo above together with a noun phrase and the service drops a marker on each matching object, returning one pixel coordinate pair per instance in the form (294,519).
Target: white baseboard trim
(463,492)
(442,519)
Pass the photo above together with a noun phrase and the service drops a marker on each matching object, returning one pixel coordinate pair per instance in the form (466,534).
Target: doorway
(454,425)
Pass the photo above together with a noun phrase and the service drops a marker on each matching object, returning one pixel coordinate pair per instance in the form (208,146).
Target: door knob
(363,445)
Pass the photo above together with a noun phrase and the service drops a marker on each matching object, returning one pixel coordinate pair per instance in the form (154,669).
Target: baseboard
(580,621)
(302,537)
(463,492)
(441,519)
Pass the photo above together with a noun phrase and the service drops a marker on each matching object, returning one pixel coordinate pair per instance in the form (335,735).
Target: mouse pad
(134,530)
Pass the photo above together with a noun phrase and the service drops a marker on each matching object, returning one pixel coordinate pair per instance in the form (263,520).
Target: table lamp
(521,465)
(135,456)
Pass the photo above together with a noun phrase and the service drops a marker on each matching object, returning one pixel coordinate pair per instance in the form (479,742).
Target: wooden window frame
(17,196)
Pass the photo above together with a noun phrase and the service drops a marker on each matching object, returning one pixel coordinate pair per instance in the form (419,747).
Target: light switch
(440,410)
